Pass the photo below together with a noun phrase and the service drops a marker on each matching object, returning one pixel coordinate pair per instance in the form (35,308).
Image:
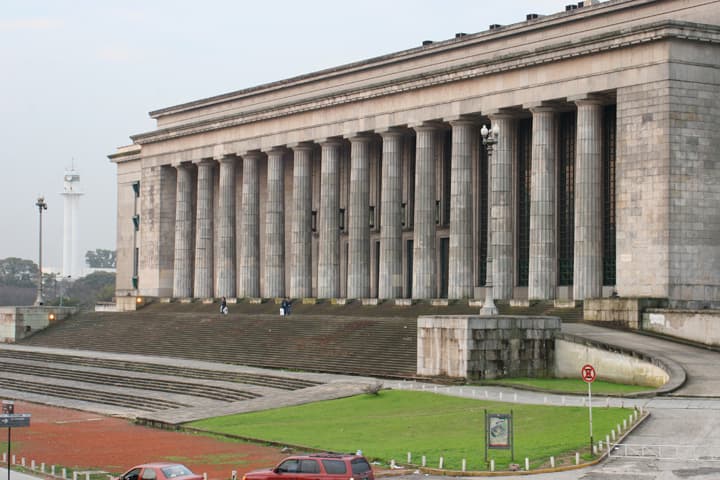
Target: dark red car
(320,466)
(160,471)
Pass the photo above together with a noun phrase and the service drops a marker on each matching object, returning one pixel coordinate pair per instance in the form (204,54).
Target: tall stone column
(329,238)
(249,281)
(358,281)
(274,270)
(226,278)
(204,231)
(542,273)
(501,207)
(301,240)
(587,266)
(182,274)
(424,270)
(390,281)
(460,281)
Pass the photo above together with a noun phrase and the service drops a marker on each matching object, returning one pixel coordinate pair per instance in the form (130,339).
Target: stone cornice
(519,28)
(605,41)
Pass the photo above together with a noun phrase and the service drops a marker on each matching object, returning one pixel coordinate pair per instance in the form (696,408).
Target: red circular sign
(588,373)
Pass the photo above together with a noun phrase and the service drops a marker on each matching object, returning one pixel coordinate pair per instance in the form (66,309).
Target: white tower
(72,266)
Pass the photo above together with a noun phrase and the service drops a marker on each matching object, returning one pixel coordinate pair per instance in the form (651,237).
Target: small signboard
(499,432)
(15,420)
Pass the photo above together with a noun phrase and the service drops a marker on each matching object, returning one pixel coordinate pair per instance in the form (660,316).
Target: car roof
(158,464)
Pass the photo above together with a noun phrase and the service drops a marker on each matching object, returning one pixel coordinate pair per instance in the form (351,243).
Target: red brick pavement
(82,440)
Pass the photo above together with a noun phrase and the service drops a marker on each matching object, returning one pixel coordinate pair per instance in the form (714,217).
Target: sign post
(10,419)
(499,433)
(588,375)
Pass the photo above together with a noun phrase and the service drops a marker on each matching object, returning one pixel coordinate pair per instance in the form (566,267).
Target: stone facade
(371,179)
(479,348)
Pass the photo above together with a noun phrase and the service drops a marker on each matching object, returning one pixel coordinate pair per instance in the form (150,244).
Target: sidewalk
(15,475)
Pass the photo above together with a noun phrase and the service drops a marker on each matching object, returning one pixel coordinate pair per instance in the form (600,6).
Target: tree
(100,258)
(85,291)
(18,272)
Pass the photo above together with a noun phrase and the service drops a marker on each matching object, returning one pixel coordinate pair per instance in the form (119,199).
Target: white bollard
(527,464)
(52,470)
(233,473)
(4,460)
(409,457)
(204,475)
(577,458)
(22,461)
(612,434)
(552,462)
(624,424)
(441,463)
(87,476)
(424,461)
(32,464)
(64,473)
(600,444)
(42,467)
(607,442)
(464,465)
(74,475)
(392,463)
(13,460)
(595,450)
(492,464)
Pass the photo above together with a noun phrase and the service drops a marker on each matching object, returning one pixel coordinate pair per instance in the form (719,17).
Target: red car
(160,471)
(321,466)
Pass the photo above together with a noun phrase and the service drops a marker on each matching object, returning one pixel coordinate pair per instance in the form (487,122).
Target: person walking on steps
(285,307)
(223,306)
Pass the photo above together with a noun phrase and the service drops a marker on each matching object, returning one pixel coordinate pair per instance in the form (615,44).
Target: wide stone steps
(108,379)
(89,395)
(364,346)
(282,383)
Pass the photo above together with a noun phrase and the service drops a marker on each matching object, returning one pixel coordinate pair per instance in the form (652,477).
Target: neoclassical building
(371,180)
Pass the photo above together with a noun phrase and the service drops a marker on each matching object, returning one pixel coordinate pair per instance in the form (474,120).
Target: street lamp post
(490,138)
(41,206)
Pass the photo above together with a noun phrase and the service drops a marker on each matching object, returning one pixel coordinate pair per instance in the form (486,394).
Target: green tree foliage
(100,258)
(96,287)
(18,272)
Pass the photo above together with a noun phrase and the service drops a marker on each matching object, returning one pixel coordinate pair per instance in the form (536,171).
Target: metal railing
(705,453)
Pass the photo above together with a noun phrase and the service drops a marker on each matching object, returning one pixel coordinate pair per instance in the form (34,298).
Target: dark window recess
(566,197)
(371,217)
(313,221)
(341,218)
(609,134)
(403,214)
(136,222)
(523,208)
(136,188)
(334,467)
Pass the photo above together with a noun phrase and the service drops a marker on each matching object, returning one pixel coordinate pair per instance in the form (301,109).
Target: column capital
(460,121)
(205,161)
(279,150)
(427,126)
(331,141)
(227,158)
(304,146)
(255,154)
(541,106)
(393,132)
(361,138)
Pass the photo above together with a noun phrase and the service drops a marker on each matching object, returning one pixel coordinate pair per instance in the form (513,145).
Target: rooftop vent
(427,42)
(495,26)
(581,4)
(531,16)
(460,35)
(570,7)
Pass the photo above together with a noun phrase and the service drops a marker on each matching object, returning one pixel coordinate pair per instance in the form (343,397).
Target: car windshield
(173,471)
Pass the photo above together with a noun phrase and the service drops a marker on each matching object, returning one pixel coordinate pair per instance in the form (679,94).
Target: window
(132,474)
(360,465)
(136,188)
(175,471)
(289,466)
(334,467)
(309,466)
(149,474)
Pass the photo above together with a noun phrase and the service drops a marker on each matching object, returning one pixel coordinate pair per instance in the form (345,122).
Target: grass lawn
(389,425)
(569,385)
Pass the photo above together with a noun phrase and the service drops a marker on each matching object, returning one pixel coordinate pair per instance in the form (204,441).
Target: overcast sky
(77,78)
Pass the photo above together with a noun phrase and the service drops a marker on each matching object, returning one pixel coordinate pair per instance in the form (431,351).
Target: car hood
(261,470)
